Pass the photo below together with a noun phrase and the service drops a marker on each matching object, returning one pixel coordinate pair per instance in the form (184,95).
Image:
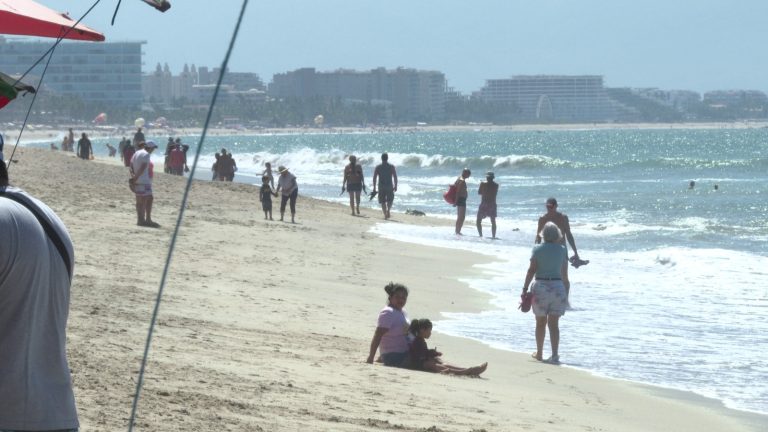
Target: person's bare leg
(479,224)
(541,332)
(357,201)
(352,202)
(553,322)
(384,210)
(140,210)
(456,370)
(493,227)
(148,208)
(461,212)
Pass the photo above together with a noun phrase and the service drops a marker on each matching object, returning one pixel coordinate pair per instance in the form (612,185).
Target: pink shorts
(143,190)
(486,210)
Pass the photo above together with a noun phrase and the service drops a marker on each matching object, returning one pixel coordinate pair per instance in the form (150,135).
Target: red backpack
(450,195)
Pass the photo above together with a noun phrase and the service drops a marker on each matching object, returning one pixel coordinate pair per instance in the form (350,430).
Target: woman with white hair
(549,297)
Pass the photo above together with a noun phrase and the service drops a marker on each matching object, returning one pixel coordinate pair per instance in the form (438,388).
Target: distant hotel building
(98,72)
(412,95)
(558,98)
(730,98)
(196,85)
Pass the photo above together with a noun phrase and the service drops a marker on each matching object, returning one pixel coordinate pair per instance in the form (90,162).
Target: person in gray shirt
(36,264)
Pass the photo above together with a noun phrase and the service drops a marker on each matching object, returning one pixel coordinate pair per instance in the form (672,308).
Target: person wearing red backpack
(461,199)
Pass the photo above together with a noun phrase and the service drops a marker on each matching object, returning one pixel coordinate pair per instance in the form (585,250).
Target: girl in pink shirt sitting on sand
(423,358)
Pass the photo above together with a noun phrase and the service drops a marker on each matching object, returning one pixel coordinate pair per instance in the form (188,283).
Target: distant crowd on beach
(401,343)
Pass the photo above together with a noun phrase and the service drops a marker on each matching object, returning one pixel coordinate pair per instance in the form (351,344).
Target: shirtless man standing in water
(561,220)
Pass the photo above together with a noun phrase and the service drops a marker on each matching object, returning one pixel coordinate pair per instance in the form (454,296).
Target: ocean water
(676,293)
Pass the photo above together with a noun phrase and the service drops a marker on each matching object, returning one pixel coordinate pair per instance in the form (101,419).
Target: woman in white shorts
(549,297)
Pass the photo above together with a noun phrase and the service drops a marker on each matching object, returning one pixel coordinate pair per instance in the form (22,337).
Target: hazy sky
(701,45)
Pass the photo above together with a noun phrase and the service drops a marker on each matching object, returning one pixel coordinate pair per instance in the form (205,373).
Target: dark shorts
(461,202)
(386,196)
(266,205)
(354,187)
(396,359)
(292,198)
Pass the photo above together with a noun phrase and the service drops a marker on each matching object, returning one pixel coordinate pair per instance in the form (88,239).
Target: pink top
(396,338)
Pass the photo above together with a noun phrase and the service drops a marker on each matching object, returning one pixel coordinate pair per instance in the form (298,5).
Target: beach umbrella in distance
(10,88)
(101,118)
(139,122)
(28,18)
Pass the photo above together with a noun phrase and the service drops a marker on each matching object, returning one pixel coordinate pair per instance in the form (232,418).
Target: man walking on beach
(461,199)
(386,175)
(36,264)
(84,147)
(353,183)
(487,191)
(561,220)
(141,183)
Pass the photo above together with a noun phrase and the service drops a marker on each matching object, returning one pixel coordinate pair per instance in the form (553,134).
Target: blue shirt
(549,259)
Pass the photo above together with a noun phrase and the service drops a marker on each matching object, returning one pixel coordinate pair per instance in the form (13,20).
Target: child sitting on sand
(429,360)
(265,196)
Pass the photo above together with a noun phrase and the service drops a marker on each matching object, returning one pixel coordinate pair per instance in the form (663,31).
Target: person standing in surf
(487,191)
(84,147)
(386,174)
(461,199)
(353,183)
(549,295)
(561,220)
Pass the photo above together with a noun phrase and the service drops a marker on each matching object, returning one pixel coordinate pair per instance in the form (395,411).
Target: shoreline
(46,133)
(673,391)
(303,356)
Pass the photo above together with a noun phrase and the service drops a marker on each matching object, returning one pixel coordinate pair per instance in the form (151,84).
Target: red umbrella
(25,17)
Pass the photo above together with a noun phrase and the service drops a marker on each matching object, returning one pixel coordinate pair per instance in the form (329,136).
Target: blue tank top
(549,259)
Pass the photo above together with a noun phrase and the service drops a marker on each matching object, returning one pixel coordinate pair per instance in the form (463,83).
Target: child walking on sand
(265,196)
(429,360)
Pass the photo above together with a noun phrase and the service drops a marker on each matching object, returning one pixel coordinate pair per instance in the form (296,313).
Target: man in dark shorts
(386,175)
(461,199)
(487,191)
(353,183)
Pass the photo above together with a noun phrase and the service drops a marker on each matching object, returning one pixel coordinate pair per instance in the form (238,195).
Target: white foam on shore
(681,318)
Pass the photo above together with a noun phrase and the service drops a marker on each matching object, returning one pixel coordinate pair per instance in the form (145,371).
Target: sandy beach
(265,326)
